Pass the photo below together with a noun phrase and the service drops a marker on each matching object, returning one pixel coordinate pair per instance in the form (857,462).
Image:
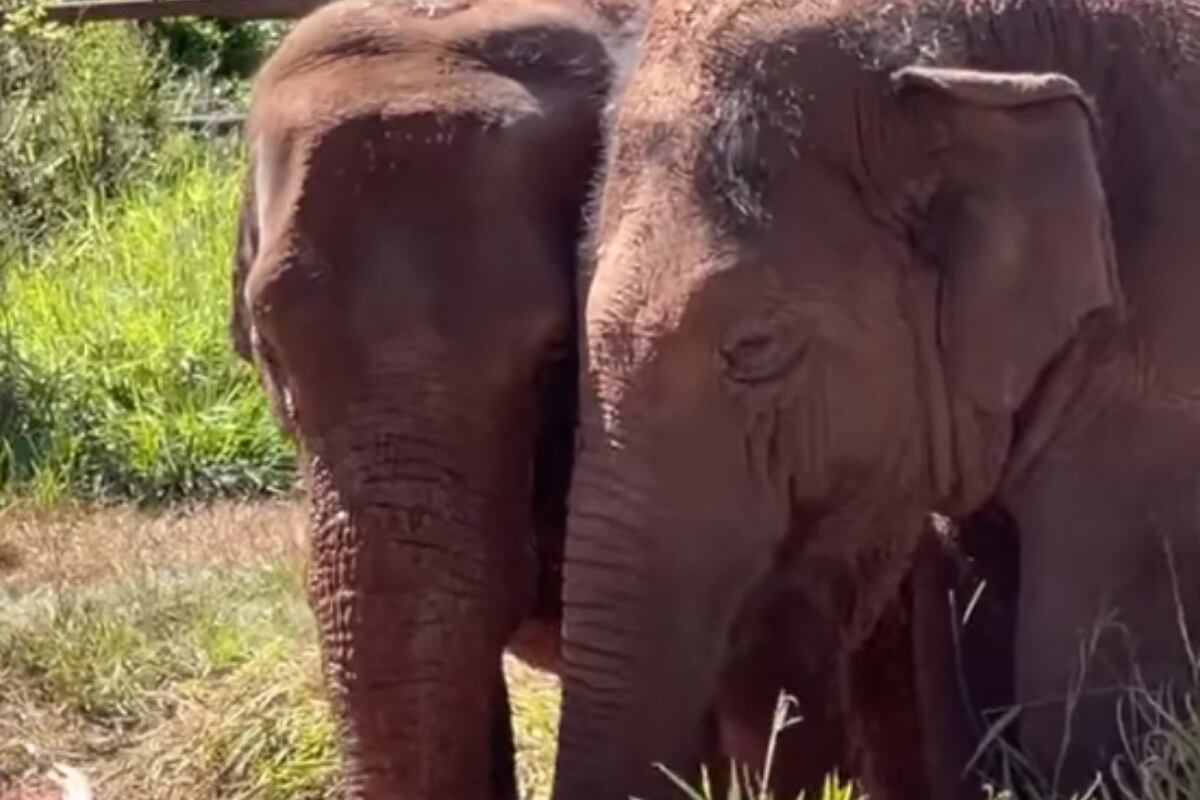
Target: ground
(171,654)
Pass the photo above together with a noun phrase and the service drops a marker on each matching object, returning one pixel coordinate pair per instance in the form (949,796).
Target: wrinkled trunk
(414,600)
(663,555)
(638,601)
(605,632)
(603,628)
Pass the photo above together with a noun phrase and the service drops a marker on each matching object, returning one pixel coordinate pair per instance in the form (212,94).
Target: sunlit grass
(173,656)
(117,378)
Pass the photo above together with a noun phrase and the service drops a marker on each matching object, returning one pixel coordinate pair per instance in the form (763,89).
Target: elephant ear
(244,252)
(1017,224)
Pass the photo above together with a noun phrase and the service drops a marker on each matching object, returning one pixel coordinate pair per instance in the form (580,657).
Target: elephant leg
(537,642)
(978,588)
(1110,584)
(504,767)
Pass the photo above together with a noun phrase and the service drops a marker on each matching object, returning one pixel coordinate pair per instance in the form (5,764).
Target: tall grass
(1158,754)
(118,378)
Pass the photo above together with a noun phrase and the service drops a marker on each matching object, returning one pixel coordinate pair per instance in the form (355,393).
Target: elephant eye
(760,356)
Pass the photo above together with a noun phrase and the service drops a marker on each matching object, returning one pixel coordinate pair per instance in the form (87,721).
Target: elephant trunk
(601,599)
(411,580)
(621,628)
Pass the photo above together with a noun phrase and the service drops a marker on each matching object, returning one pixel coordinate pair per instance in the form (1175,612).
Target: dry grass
(76,545)
(171,655)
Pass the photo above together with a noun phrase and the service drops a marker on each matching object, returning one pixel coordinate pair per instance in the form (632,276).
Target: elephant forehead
(654,253)
(737,128)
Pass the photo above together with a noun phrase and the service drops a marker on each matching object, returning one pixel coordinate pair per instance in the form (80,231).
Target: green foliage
(82,112)
(222,48)
(118,377)
(86,111)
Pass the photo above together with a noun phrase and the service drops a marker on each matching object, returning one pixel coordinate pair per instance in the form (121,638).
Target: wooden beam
(72,12)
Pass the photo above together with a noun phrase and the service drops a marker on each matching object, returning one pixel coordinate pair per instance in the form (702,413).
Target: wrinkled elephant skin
(853,262)
(405,282)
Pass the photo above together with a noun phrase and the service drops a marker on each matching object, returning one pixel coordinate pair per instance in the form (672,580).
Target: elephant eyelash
(760,358)
(744,348)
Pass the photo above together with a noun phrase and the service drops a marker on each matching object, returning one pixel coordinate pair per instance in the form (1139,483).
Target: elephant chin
(412,622)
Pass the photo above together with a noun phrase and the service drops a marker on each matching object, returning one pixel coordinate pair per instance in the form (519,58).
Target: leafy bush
(116,375)
(87,111)
(224,49)
(82,112)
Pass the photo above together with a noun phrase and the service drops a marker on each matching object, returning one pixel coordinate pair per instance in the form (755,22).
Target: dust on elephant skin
(404,280)
(856,261)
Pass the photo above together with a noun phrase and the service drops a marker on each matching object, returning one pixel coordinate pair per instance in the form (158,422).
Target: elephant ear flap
(1018,225)
(244,252)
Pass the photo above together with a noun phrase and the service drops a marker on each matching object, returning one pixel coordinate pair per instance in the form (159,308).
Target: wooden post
(71,12)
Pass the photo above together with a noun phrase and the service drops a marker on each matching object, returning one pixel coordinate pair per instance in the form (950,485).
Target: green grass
(106,653)
(203,683)
(117,380)
(174,657)
(118,377)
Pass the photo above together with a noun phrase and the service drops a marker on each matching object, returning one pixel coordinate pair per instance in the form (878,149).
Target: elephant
(854,262)
(404,282)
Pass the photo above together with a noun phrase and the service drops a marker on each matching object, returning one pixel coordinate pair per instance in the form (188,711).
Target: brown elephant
(855,261)
(404,280)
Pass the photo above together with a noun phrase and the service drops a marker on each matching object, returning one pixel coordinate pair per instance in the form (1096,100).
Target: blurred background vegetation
(116,377)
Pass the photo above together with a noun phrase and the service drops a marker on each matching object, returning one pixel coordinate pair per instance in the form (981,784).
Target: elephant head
(832,289)
(404,281)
